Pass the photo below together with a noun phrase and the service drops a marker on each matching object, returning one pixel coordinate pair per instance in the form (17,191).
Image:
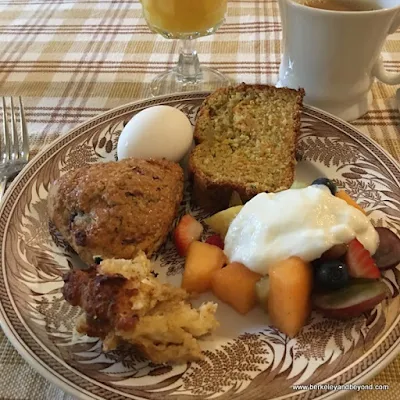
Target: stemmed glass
(185,20)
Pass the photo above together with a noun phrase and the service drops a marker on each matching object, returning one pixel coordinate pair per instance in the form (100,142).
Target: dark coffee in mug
(340,5)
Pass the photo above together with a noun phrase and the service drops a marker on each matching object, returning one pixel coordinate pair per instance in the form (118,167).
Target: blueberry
(328,183)
(331,275)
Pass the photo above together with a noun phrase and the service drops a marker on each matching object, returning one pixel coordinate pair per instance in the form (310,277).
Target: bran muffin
(114,209)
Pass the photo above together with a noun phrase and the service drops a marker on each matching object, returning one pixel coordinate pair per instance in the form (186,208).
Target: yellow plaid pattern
(72,59)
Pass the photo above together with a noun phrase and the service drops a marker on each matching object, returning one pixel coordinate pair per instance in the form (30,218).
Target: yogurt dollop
(305,222)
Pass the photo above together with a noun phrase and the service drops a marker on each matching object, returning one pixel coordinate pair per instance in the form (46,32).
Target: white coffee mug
(335,55)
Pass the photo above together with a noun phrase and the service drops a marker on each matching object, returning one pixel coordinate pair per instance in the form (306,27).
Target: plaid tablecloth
(71,60)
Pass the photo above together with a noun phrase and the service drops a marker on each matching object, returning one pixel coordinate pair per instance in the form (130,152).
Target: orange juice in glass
(185,20)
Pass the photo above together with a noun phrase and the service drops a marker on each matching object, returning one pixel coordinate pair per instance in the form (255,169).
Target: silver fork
(13,155)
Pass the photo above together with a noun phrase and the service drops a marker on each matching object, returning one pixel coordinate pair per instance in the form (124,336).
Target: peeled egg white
(156,132)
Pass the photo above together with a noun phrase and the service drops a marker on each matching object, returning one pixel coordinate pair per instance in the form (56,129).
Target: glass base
(171,82)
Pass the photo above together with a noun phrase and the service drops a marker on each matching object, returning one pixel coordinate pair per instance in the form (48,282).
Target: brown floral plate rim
(385,356)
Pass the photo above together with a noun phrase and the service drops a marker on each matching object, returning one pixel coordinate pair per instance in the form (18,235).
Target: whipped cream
(305,222)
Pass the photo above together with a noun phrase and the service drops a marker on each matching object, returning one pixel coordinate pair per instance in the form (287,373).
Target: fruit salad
(290,252)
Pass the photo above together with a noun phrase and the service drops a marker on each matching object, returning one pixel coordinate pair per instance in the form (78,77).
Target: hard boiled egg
(156,132)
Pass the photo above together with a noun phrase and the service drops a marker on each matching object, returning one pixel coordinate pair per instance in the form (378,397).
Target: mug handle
(379,70)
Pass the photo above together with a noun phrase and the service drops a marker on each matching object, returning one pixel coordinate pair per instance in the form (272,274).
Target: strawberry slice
(360,263)
(187,231)
(216,240)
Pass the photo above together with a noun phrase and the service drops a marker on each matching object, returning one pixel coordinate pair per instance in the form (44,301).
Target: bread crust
(114,209)
(215,196)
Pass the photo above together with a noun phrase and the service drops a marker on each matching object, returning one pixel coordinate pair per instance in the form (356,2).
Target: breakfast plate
(245,358)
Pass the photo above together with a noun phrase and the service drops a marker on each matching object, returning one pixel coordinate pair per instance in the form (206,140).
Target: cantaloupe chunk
(235,285)
(202,260)
(346,197)
(289,296)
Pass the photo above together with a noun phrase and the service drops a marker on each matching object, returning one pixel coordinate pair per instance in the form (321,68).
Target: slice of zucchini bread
(246,138)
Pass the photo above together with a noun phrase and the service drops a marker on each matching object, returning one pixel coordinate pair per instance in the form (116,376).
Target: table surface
(71,60)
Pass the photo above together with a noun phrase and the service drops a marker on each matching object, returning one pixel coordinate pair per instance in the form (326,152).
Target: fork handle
(3,184)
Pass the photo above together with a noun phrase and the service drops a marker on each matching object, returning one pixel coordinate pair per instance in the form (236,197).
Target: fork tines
(15,145)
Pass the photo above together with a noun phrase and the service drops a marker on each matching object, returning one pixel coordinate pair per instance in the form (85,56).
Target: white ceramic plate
(246,358)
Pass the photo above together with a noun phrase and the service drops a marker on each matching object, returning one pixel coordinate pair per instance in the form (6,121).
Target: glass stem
(188,68)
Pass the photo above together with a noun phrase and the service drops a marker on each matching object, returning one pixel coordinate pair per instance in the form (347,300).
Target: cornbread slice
(245,139)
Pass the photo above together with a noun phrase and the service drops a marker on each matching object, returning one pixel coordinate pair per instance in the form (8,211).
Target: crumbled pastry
(124,302)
